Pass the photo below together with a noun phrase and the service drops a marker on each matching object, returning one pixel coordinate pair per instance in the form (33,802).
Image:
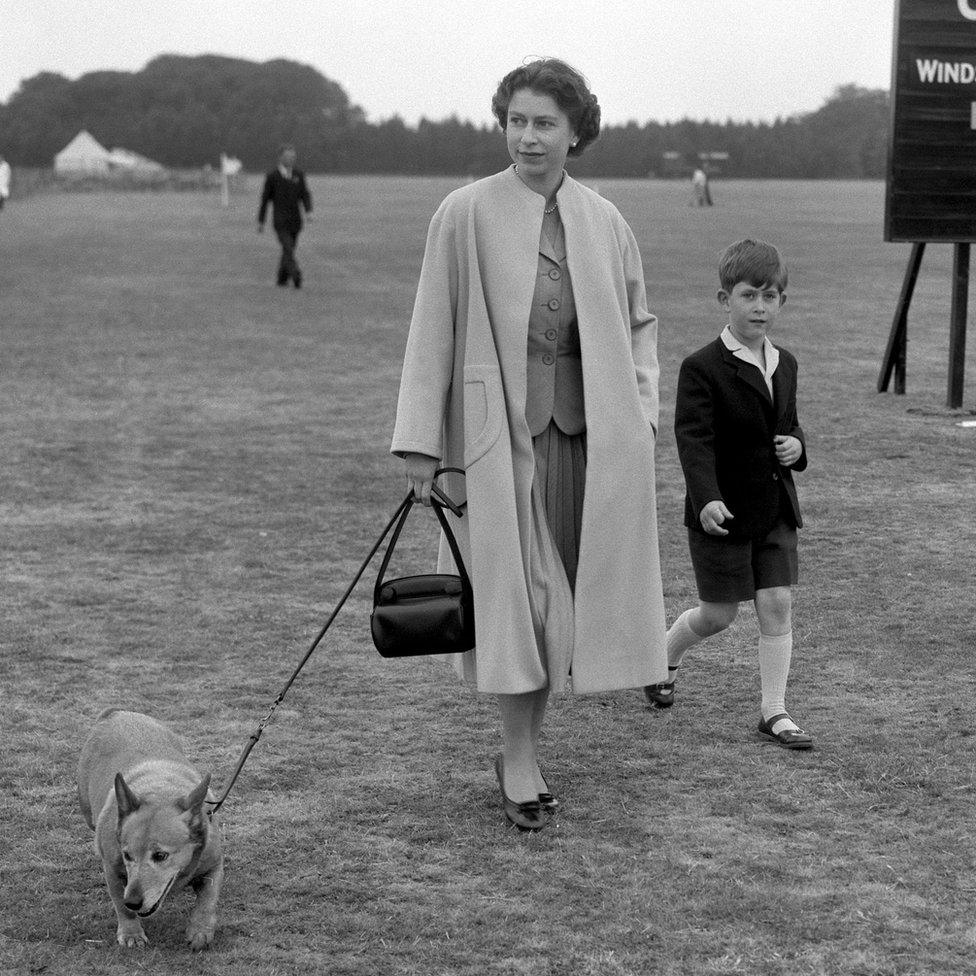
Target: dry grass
(194,464)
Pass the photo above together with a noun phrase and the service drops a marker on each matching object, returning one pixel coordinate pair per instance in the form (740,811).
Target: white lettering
(966,9)
(945,72)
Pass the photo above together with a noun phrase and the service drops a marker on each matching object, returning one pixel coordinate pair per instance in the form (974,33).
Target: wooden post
(895,356)
(957,325)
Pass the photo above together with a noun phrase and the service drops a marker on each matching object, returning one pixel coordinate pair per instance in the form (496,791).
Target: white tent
(84,154)
(126,159)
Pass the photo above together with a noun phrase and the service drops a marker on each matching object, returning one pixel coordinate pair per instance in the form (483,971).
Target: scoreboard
(931,184)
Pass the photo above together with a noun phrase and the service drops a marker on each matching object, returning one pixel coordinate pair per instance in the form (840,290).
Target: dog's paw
(199,938)
(132,938)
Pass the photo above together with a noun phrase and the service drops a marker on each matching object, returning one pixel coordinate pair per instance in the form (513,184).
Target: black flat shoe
(526,816)
(788,738)
(548,801)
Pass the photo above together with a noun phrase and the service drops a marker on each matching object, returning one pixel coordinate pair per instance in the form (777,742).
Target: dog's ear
(194,800)
(127,801)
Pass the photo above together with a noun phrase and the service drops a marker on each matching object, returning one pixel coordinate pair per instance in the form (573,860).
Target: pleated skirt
(560,482)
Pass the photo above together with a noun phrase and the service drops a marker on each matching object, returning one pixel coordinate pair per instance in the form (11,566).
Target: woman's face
(539,135)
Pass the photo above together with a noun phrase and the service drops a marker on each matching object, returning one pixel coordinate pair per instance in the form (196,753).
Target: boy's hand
(788,449)
(712,516)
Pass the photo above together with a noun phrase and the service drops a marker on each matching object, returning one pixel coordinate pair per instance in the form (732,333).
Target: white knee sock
(774,669)
(680,638)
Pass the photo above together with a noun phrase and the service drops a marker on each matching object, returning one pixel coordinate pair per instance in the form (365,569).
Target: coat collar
(566,189)
(748,373)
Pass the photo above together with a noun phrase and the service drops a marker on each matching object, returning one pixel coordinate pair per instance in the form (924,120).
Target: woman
(531,362)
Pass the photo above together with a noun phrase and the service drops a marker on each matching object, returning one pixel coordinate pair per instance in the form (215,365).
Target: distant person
(285,189)
(739,442)
(4,181)
(531,361)
(700,195)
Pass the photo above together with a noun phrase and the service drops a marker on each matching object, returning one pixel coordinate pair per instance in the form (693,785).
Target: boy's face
(752,310)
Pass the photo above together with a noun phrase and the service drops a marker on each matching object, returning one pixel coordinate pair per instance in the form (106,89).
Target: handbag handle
(438,507)
(445,499)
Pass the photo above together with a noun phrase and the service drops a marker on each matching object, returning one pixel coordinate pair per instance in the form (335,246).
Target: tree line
(185,111)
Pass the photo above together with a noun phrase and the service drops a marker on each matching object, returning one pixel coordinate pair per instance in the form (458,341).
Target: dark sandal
(788,738)
(661,695)
(527,816)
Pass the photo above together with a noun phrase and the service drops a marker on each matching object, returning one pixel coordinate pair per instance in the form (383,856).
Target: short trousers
(730,570)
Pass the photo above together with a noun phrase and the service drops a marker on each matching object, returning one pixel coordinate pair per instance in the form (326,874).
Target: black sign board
(931,191)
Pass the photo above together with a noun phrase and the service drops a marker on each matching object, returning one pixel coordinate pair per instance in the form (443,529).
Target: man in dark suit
(285,189)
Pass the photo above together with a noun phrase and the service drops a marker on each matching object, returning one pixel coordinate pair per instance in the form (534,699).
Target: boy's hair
(755,262)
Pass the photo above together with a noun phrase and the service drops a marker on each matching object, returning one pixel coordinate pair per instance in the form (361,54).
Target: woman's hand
(419,470)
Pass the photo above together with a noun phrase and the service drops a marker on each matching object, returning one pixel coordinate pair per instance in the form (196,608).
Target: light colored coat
(462,399)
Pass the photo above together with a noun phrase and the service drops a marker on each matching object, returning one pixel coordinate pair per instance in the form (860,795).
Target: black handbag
(426,614)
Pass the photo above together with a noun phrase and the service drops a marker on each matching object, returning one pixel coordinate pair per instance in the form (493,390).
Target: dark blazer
(284,195)
(725,422)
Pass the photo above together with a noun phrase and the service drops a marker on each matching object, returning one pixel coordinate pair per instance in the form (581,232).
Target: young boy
(739,443)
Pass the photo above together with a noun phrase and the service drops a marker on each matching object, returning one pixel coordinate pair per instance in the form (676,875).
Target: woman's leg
(538,716)
(522,717)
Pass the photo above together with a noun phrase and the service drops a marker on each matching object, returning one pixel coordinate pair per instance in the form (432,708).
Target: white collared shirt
(286,173)
(748,356)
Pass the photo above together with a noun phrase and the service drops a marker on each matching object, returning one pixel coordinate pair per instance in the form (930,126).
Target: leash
(441,499)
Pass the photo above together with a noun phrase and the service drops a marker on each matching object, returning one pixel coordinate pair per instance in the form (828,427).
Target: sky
(661,60)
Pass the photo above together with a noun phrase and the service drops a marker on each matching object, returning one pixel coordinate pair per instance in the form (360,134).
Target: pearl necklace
(548,210)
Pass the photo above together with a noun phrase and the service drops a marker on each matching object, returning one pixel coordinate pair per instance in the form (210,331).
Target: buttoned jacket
(554,381)
(287,196)
(463,398)
(724,422)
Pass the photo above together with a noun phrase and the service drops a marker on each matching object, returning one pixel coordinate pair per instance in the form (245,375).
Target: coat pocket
(484,410)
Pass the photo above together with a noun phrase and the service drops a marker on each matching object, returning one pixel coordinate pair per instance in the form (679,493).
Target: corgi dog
(145,802)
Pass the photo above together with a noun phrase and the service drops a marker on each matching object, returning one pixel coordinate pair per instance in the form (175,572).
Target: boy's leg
(774,610)
(695,625)
(692,627)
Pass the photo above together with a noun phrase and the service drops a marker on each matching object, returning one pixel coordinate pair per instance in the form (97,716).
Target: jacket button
(775,476)
(551,333)
(555,274)
(554,303)
(548,359)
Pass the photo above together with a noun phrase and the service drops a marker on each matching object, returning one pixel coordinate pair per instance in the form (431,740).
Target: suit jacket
(724,422)
(284,195)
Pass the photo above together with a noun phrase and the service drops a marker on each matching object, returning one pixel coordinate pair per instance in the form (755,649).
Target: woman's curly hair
(567,88)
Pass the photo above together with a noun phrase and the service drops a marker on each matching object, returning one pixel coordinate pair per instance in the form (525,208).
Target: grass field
(195,462)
